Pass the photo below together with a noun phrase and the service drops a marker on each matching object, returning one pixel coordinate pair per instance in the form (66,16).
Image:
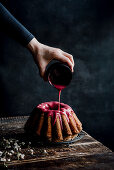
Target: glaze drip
(51,109)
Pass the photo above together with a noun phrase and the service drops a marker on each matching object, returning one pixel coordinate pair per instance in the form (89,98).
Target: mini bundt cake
(47,122)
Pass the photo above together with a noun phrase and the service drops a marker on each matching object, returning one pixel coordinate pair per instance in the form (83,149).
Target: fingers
(65,59)
(69,56)
(46,54)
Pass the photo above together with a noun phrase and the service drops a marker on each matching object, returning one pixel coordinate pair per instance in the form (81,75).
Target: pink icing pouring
(51,109)
(59,99)
(59,88)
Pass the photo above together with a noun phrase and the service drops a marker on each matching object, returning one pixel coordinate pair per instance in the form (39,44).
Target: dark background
(84,28)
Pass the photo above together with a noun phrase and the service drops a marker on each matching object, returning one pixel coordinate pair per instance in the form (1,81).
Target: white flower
(45,151)
(4,139)
(8,146)
(1,153)
(10,140)
(7,142)
(8,160)
(23,143)
(9,153)
(16,148)
(19,148)
(15,144)
(19,155)
(3,159)
(12,151)
(31,151)
(22,156)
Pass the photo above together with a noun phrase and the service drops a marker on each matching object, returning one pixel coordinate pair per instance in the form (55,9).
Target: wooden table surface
(86,153)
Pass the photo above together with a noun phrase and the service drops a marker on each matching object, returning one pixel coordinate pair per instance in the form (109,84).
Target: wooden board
(86,153)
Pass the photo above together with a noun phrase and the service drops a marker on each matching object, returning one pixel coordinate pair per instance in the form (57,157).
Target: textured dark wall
(84,28)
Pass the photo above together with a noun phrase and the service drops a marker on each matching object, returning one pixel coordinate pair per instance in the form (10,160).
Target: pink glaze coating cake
(48,123)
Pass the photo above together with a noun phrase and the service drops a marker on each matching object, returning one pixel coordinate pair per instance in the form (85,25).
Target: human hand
(43,54)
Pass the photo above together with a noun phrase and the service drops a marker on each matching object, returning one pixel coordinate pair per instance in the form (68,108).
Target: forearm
(10,25)
(42,54)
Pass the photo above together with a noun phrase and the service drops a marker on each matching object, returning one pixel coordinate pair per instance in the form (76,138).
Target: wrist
(34,46)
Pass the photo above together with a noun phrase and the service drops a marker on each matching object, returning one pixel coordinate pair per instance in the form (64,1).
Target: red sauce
(59,88)
(51,109)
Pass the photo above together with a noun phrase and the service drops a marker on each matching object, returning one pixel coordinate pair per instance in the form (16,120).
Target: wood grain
(86,153)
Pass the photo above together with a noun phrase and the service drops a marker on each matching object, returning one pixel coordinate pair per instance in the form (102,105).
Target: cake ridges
(52,124)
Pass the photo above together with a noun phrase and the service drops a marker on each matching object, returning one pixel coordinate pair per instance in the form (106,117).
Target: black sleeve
(14,28)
